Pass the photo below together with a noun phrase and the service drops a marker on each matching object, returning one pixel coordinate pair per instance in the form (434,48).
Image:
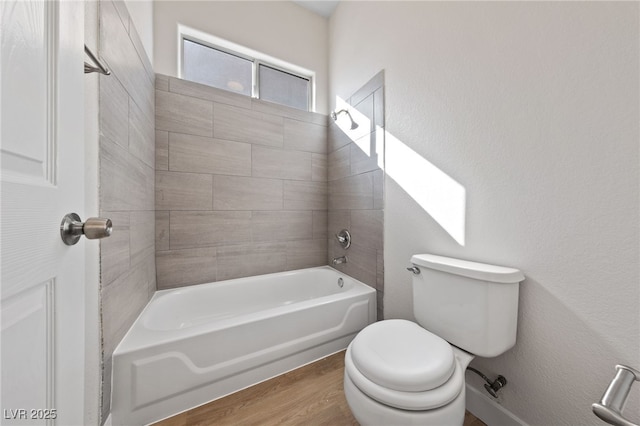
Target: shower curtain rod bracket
(99,67)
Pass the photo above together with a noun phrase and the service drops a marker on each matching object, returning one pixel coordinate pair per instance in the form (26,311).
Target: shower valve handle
(344,238)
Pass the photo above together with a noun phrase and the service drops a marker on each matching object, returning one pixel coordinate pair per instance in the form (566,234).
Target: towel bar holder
(614,398)
(99,66)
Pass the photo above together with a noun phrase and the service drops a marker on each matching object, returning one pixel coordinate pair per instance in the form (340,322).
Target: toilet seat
(403,356)
(400,364)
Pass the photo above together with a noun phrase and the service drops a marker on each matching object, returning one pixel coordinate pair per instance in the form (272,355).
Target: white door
(42,174)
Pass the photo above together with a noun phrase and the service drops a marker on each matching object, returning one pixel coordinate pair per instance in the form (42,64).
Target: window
(216,68)
(248,74)
(283,88)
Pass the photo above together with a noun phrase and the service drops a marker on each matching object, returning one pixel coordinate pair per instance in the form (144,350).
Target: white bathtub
(192,345)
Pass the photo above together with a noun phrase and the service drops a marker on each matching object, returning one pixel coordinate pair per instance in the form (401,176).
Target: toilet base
(370,412)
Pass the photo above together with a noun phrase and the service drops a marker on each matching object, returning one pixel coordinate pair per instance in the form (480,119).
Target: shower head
(334,116)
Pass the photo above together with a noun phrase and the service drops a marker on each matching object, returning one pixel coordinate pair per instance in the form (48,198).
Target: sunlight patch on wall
(439,195)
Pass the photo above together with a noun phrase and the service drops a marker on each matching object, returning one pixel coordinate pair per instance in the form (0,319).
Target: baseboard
(489,411)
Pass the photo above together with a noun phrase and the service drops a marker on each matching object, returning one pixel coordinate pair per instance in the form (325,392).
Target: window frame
(223,50)
(256,76)
(255,57)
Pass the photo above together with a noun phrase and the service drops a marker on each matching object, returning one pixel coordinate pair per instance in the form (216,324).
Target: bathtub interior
(183,308)
(164,366)
(184,313)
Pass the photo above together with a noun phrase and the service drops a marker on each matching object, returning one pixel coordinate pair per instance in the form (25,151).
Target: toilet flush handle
(414,269)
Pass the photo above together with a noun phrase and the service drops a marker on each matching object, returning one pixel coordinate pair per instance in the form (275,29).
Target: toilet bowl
(397,372)
(415,379)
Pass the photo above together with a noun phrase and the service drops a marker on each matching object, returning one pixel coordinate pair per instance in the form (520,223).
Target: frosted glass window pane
(284,88)
(213,67)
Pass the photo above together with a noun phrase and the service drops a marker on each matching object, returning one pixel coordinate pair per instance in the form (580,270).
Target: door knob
(72,228)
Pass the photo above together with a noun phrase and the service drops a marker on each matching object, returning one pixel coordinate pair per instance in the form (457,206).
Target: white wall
(141,12)
(280,29)
(532,108)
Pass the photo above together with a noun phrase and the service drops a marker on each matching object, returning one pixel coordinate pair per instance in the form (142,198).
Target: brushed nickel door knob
(72,228)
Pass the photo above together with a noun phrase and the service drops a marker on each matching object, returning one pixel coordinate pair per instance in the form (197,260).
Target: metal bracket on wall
(614,398)
(97,67)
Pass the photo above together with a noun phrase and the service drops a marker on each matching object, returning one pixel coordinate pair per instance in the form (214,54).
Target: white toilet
(400,373)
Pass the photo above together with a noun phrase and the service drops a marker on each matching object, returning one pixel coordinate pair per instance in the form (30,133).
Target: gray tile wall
(241,185)
(355,186)
(127,180)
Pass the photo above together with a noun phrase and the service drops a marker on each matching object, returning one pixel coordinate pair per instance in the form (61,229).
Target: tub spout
(339,260)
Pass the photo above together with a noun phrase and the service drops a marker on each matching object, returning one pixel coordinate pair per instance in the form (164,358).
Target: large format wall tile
(242,125)
(236,202)
(162,82)
(319,167)
(126,179)
(198,154)
(363,115)
(245,260)
(185,267)
(208,228)
(362,263)
(305,136)
(115,256)
(336,138)
(320,224)
(287,112)
(162,150)
(364,155)
(122,301)
(162,230)
(183,114)
(368,226)
(281,225)
(183,191)
(378,189)
(121,57)
(306,253)
(361,260)
(114,111)
(351,193)
(280,164)
(208,93)
(355,193)
(141,135)
(142,235)
(126,183)
(338,220)
(305,195)
(139,47)
(339,163)
(378,107)
(246,193)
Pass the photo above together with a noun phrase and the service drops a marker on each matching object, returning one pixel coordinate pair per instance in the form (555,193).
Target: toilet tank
(473,306)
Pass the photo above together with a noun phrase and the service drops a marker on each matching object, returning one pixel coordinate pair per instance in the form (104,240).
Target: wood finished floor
(311,395)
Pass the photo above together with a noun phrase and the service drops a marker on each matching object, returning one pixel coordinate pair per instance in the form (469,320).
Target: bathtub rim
(137,330)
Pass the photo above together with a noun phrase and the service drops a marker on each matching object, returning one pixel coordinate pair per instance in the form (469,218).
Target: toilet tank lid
(465,268)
